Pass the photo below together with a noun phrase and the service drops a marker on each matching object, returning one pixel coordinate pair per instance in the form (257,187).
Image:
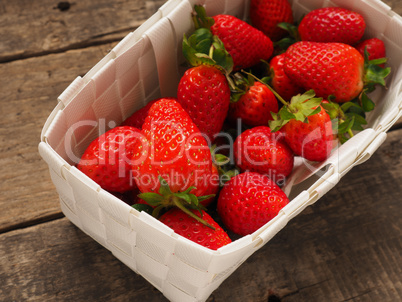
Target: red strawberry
(265,15)
(259,150)
(281,83)
(254,106)
(173,148)
(332,24)
(246,44)
(213,186)
(248,201)
(107,159)
(328,68)
(193,230)
(375,48)
(306,125)
(204,93)
(312,140)
(137,119)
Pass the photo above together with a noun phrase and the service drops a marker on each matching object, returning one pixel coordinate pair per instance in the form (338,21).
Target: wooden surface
(346,247)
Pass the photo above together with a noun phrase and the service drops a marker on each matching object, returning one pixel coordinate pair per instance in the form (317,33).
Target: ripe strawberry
(248,201)
(375,48)
(328,68)
(137,119)
(312,140)
(254,104)
(246,44)
(191,229)
(171,147)
(280,82)
(204,93)
(306,125)
(259,150)
(332,24)
(265,15)
(213,186)
(107,159)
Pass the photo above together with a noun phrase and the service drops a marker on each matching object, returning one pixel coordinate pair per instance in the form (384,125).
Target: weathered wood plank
(346,247)
(33,85)
(31,28)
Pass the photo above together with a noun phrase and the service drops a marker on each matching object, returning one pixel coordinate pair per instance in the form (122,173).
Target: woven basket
(146,65)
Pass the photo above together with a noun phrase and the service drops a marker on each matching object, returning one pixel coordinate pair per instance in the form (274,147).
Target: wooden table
(346,247)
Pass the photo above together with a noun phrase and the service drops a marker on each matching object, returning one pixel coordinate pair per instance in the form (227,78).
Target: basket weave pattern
(145,65)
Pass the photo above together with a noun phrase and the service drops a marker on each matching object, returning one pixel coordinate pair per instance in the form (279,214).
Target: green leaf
(345,126)
(332,109)
(200,18)
(378,61)
(194,199)
(284,114)
(143,207)
(151,198)
(183,196)
(315,111)
(164,188)
(345,106)
(202,198)
(301,98)
(220,159)
(376,75)
(367,104)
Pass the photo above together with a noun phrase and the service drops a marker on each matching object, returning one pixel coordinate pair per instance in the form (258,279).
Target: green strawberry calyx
(224,165)
(165,198)
(203,47)
(346,117)
(240,86)
(299,108)
(200,18)
(351,116)
(374,75)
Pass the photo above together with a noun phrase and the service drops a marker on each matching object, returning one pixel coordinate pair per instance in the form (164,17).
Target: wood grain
(345,247)
(32,28)
(28,195)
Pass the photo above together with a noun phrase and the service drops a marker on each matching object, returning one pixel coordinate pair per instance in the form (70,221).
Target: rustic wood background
(346,247)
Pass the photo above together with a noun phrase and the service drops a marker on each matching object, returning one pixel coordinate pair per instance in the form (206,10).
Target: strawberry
(332,24)
(316,137)
(173,148)
(137,119)
(172,164)
(203,90)
(107,159)
(246,44)
(253,103)
(259,150)
(328,68)
(213,186)
(312,140)
(248,201)
(279,81)
(191,229)
(375,48)
(204,93)
(265,16)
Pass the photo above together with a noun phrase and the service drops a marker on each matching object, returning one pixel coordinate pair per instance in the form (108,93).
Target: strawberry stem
(177,203)
(269,87)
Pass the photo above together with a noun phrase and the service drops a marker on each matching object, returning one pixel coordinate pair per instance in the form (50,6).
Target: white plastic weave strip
(146,65)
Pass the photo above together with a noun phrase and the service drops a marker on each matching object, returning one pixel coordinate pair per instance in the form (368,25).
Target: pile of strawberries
(255,96)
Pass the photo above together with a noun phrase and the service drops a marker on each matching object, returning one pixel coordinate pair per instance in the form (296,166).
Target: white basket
(125,80)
